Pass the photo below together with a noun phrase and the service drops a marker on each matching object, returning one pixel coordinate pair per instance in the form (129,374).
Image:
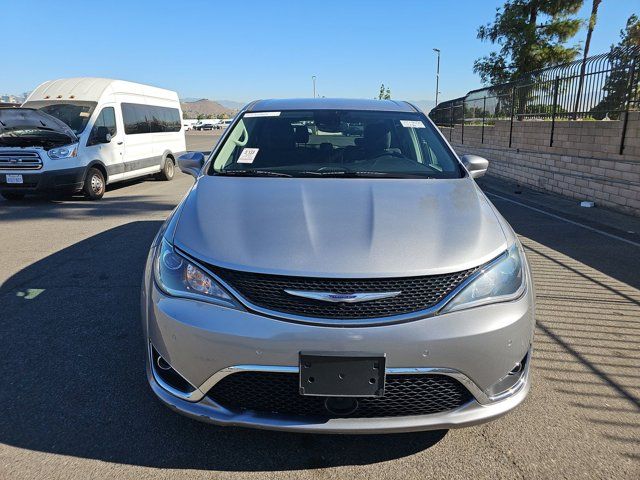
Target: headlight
(501,281)
(178,277)
(67,151)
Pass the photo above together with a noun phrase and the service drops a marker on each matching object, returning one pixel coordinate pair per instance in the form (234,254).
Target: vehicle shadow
(74,383)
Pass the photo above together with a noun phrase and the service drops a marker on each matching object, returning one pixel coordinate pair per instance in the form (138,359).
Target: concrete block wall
(584,162)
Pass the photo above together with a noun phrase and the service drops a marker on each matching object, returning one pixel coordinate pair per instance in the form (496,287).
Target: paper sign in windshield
(261,114)
(412,124)
(248,155)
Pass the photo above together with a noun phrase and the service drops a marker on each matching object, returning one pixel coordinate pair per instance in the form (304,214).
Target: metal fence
(604,86)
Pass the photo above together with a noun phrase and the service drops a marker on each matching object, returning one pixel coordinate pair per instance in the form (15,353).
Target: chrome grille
(20,160)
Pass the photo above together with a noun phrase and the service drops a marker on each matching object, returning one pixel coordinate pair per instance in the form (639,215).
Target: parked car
(212,124)
(81,134)
(315,283)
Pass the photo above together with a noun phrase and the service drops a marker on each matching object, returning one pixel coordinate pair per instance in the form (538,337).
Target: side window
(107,119)
(135,118)
(156,119)
(149,119)
(165,119)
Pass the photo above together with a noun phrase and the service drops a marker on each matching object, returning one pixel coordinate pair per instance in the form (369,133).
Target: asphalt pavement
(75,403)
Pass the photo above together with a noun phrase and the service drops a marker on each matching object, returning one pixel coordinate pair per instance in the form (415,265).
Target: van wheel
(94,184)
(12,195)
(168,171)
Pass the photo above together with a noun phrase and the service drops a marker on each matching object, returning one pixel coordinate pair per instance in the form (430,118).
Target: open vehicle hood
(339,228)
(27,127)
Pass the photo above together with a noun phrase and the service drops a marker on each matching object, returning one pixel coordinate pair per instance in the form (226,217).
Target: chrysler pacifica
(335,268)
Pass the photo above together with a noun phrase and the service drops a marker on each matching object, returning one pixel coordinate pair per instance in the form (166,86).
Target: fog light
(165,373)
(510,380)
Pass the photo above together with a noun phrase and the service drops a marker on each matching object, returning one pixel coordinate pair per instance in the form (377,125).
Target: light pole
(314,86)
(437,50)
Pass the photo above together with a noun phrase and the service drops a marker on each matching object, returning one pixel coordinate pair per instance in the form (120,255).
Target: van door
(109,153)
(140,157)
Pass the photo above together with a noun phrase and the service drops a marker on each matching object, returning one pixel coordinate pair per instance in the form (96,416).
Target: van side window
(106,118)
(135,119)
(149,119)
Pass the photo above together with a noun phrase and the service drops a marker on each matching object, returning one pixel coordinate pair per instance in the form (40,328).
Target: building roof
(275,105)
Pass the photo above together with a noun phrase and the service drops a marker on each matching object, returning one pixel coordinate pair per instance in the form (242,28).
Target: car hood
(339,227)
(27,127)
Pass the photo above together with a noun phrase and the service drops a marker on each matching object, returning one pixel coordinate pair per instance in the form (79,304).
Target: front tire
(168,171)
(94,184)
(12,196)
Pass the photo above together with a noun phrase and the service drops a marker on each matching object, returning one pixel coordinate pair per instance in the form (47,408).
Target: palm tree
(592,24)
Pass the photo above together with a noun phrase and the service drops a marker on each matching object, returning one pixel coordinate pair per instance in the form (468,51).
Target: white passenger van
(80,134)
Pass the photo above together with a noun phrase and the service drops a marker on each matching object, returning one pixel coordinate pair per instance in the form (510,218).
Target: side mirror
(191,163)
(476,165)
(102,135)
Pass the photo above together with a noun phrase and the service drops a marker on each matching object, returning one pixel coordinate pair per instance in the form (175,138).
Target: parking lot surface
(75,403)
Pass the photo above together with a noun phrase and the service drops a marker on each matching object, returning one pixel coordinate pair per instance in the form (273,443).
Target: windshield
(337,143)
(74,114)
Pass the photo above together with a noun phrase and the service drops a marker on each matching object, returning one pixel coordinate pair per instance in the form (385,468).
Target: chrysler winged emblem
(343,297)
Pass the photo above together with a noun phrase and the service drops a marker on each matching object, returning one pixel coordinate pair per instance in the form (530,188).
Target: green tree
(622,56)
(532,35)
(384,94)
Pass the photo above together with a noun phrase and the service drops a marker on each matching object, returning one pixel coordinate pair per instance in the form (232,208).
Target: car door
(109,153)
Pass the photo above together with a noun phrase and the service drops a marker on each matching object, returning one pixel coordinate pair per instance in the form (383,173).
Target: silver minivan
(335,268)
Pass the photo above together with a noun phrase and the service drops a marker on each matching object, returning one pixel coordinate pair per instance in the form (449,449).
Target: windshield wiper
(362,174)
(251,173)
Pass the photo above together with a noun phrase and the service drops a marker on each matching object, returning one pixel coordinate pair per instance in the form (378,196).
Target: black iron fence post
(484,110)
(451,122)
(626,110)
(462,133)
(513,106)
(556,84)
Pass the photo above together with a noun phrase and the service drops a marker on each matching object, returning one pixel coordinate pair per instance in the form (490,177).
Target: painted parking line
(563,219)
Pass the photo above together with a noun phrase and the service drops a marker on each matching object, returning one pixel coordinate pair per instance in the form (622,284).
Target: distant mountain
(424,105)
(204,107)
(232,104)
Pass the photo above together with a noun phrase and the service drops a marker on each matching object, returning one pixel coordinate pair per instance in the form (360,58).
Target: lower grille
(20,160)
(277,393)
(417,293)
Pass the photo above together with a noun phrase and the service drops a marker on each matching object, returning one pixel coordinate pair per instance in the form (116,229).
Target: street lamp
(437,50)
(314,86)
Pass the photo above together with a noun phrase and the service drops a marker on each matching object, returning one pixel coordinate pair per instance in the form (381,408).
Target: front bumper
(68,180)
(204,342)
(472,413)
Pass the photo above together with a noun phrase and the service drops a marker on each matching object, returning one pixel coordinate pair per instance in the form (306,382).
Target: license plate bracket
(14,178)
(342,375)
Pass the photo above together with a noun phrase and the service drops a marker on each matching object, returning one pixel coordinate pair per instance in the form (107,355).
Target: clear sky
(246,49)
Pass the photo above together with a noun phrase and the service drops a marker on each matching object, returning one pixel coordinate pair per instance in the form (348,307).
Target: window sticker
(83,114)
(412,124)
(248,155)
(261,114)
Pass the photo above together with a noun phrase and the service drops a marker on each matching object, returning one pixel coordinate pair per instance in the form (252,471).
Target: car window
(140,118)
(340,143)
(106,118)
(75,114)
